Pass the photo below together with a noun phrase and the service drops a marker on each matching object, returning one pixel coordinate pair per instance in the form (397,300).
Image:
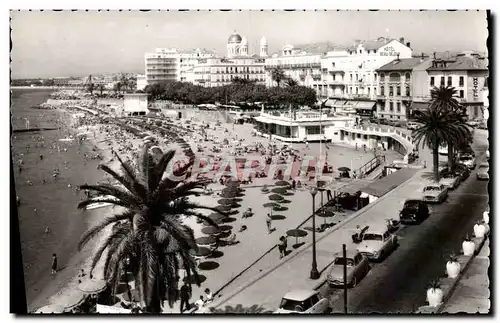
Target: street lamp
(314,268)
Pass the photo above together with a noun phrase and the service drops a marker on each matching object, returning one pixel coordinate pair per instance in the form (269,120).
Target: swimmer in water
(41,157)
(47,230)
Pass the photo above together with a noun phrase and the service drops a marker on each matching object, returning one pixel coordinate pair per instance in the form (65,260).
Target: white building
(171,64)
(299,65)
(135,104)
(219,71)
(142,82)
(350,74)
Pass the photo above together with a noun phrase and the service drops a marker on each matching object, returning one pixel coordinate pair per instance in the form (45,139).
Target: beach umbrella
(344,169)
(296,233)
(279,190)
(282,183)
(225,228)
(200,252)
(228,194)
(324,213)
(206,241)
(92,286)
(211,230)
(235,184)
(228,202)
(216,217)
(223,208)
(72,299)
(276,197)
(271,205)
(50,309)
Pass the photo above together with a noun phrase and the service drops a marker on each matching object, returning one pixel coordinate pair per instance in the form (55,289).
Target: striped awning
(365,105)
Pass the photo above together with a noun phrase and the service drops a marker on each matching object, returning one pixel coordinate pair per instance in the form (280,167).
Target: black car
(460,169)
(414,212)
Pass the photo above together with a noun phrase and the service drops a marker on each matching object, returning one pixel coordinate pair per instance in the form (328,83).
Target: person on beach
(54,264)
(269,221)
(282,246)
(200,303)
(209,296)
(47,230)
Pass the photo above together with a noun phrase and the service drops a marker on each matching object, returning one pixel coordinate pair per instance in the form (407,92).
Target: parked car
(376,244)
(467,150)
(303,301)
(467,160)
(357,267)
(435,193)
(483,171)
(443,150)
(460,170)
(450,180)
(414,212)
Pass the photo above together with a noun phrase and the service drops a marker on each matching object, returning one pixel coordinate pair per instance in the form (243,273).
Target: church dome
(234,38)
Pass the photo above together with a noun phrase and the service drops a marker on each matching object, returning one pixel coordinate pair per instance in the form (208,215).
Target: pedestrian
(185,296)
(269,221)
(282,246)
(294,183)
(356,146)
(200,303)
(209,296)
(54,264)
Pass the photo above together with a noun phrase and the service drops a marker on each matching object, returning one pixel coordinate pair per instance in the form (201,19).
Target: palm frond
(91,233)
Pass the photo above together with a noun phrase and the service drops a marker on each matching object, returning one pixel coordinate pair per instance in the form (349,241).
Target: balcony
(334,70)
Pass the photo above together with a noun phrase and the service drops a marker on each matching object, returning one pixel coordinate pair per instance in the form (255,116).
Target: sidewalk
(293,272)
(472,293)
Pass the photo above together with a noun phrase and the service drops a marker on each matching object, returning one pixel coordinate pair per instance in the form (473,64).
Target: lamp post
(314,268)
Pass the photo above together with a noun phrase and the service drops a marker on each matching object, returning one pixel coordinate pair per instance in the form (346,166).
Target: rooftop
(401,64)
(460,63)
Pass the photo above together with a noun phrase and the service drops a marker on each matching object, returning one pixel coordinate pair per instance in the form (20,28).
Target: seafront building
(395,84)
(239,63)
(171,64)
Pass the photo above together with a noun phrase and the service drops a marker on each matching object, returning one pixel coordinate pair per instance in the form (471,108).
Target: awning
(365,105)
(390,182)
(419,105)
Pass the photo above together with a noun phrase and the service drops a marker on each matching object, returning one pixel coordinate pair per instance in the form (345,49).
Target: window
(449,81)
(476,111)
(391,90)
(461,93)
(360,51)
(382,107)
(357,77)
(399,118)
(350,77)
(461,81)
(375,77)
(398,107)
(333,64)
(382,77)
(442,80)
(356,90)
(407,91)
(350,89)
(398,90)
(432,80)
(407,76)
(391,106)
(368,91)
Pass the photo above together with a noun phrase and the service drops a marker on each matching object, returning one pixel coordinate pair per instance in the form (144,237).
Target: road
(399,283)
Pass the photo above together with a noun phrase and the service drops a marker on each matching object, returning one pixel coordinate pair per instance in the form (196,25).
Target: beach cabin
(135,104)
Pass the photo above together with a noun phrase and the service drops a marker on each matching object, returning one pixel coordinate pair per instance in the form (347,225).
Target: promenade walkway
(293,272)
(472,293)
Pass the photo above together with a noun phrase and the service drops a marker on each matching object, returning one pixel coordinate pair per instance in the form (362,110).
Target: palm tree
(438,125)
(278,75)
(148,233)
(446,97)
(240,309)
(290,82)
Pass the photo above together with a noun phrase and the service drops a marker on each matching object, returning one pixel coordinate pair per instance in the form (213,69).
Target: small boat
(66,139)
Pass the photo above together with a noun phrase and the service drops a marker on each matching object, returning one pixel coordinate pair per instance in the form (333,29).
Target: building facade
(171,64)
(395,84)
(467,72)
(349,74)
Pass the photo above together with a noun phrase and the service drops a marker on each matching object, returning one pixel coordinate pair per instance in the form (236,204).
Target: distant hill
(318,48)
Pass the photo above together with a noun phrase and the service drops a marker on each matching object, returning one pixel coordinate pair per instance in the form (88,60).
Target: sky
(57,44)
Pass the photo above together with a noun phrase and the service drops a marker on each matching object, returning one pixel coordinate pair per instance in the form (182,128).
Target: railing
(371,165)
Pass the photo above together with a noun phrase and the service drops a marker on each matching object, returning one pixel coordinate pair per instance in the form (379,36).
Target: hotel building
(171,64)
(349,75)
(395,83)
(219,71)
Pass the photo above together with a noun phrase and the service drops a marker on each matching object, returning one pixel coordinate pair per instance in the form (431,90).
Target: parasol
(200,252)
(50,309)
(229,194)
(92,286)
(276,197)
(216,217)
(211,230)
(279,190)
(296,233)
(226,202)
(223,208)
(271,205)
(325,213)
(282,183)
(206,241)
(344,169)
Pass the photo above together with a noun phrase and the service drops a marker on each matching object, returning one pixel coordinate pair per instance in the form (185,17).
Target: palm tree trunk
(451,157)
(435,162)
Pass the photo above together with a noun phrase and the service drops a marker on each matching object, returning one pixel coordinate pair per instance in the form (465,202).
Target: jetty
(34,129)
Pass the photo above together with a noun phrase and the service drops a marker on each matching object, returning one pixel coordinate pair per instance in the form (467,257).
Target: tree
(278,75)
(446,98)
(290,82)
(439,125)
(148,232)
